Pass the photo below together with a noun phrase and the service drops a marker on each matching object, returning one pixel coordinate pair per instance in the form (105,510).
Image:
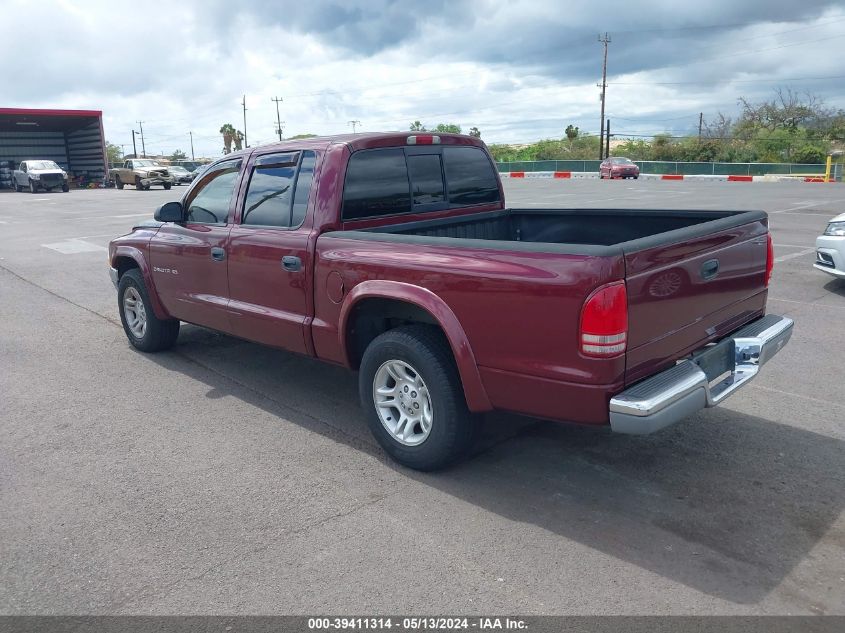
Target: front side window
(376,184)
(470,176)
(208,203)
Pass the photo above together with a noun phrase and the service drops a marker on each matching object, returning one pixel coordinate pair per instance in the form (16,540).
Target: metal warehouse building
(72,138)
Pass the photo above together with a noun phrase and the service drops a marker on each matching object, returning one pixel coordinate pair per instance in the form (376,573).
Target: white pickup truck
(39,174)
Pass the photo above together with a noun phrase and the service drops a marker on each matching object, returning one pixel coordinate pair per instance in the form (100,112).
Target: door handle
(291,263)
(218,254)
(709,269)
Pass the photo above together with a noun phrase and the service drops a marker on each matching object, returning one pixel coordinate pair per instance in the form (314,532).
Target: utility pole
(604,40)
(607,140)
(134,148)
(246,142)
(700,123)
(278,118)
(143,146)
(354,124)
(191,134)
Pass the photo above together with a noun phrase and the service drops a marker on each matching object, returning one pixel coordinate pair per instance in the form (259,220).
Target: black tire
(65,188)
(167,185)
(138,184)
(160,334)
(33,188)
(635,177)
(118,182)
(453,427)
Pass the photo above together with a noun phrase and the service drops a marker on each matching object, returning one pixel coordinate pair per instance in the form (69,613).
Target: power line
(720,81)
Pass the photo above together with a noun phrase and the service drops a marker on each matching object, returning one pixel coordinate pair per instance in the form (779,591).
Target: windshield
(621,161)
(179,169)
(42,164)
(145,163)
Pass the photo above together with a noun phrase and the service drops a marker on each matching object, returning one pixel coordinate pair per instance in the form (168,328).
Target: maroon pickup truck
(395,255)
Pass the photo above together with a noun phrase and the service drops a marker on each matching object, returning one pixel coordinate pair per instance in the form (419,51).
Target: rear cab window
(396,181)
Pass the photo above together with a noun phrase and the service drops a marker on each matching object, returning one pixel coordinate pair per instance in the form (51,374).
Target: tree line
(790,127)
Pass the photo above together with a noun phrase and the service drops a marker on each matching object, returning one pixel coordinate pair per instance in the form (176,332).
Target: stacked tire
(5,174)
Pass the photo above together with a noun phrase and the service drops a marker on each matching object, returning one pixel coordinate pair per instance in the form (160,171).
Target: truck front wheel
(413,399)
(33,188)
(118,182)
(143,328)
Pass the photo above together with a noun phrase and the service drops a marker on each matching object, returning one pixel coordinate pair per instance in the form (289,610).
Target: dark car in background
(618,167)
(180,175)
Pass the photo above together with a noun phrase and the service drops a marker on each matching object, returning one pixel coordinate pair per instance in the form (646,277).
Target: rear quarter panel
(519,310)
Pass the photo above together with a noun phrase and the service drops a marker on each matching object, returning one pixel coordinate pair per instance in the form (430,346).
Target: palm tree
(228,132)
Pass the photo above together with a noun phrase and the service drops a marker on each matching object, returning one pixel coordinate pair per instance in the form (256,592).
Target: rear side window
(426,179)
(303,187)
(470,176)
(278,190)
(376,184)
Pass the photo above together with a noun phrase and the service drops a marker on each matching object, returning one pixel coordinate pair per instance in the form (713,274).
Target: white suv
(830,248)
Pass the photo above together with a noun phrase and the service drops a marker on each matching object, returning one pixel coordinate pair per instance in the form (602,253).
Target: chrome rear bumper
(676,393)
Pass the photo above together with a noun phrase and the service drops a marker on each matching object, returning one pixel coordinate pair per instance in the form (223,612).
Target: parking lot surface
(228,478)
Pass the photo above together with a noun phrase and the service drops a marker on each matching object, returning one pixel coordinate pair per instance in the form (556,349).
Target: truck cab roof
(365,140)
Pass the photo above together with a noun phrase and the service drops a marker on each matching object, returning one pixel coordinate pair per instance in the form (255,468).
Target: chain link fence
(673,167)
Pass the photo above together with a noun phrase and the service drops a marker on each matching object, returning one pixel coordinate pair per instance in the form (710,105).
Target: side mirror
(169,212)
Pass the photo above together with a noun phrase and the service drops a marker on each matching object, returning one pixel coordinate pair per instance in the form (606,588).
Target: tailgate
(684,294)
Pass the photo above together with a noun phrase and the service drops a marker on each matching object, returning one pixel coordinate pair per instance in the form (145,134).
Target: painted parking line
(71,247)
(806,251)
(805,204)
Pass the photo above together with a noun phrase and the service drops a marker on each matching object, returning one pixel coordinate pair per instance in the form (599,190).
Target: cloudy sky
(520,70)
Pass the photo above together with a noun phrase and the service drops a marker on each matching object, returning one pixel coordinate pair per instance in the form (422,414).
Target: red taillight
(770,258)
(423,139)
(604,321)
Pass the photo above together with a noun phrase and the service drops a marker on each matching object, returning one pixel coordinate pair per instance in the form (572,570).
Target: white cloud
(519,70)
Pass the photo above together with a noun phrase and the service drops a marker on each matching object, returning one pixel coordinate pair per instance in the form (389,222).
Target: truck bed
(631,229)
(692,276)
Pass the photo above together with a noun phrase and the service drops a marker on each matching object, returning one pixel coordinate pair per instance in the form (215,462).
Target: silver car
(830,248)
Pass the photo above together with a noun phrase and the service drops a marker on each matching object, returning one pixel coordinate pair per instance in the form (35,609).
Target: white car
(830,248)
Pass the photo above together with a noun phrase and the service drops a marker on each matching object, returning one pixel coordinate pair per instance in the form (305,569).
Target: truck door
(269,268)
(189,260)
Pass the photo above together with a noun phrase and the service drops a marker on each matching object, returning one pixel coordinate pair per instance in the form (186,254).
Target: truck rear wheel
(413,399)
(143,328)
